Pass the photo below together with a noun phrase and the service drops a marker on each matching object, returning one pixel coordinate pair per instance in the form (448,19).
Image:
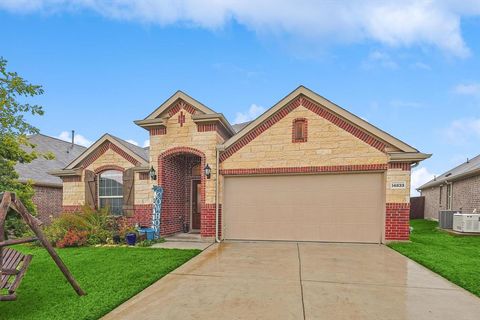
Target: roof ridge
(55,138)
(443,174)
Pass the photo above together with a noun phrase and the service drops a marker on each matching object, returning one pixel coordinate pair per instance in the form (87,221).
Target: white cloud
(253,112)
(132,142)
(463,131)
(380,58)
(79,139)
(471,89)
(146,143)
(419,177)
(389,22)
(421,66)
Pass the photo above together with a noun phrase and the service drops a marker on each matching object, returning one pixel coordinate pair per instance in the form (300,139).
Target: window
(449,196)
(110,191)
(440,198)
(299,130)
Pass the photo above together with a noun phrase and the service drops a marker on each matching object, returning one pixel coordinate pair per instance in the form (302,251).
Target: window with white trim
(110,191)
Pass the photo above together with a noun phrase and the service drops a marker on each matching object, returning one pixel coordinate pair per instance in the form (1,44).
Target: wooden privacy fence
(417,207)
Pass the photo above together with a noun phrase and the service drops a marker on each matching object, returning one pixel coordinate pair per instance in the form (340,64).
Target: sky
(411,68)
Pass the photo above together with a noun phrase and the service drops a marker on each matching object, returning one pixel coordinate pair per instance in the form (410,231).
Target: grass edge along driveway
(456,258)
(110,276)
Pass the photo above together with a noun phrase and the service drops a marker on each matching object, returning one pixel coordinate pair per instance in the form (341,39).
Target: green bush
(96,226)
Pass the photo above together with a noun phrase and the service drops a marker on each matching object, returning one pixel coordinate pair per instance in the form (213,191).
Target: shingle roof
(239,126)
(38,169)
(139,151)
(465,169)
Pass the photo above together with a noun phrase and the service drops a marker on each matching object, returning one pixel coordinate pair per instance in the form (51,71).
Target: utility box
(468,223)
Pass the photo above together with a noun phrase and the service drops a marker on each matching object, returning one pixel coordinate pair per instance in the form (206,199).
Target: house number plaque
(398,185)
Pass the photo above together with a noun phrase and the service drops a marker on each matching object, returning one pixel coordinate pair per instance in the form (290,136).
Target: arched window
(110,191)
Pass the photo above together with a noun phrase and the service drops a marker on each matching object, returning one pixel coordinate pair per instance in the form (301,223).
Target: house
(48,188)
(304,170)
(456,189)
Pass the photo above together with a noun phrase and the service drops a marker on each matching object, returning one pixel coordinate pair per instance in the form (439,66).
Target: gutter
(450,179)
(217,177)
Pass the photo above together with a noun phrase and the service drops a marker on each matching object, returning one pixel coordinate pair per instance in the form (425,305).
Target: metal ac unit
(445,218)
(464,222)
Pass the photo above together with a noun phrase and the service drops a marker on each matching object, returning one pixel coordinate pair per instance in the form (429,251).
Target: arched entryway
(182,178)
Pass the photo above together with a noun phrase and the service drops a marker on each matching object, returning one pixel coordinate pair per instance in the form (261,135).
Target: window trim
(440,198)
(449,197)
(304,123)
(99,175)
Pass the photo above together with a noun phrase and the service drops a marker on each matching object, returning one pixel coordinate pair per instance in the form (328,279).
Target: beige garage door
(339,208)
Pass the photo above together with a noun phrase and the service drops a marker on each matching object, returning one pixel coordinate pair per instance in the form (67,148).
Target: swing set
(13,264)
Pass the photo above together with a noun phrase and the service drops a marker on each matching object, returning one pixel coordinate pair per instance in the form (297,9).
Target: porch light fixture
(153,174)
(208,171)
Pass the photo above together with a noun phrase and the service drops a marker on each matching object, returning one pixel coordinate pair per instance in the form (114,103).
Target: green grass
(456,258)
(110,276)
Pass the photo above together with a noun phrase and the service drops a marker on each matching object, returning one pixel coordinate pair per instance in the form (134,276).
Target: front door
(196,205)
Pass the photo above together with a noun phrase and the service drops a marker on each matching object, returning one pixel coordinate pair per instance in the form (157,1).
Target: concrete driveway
(268,280)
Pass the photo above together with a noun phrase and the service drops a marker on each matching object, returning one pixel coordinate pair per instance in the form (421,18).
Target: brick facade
(465,197)
(397,218)
(184,138)
(175,176)
(48,201)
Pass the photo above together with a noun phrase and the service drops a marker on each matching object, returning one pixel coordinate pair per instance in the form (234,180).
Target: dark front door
(196,205)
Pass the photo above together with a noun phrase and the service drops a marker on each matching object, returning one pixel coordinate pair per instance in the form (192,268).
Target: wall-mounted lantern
(208,171)
(153,174)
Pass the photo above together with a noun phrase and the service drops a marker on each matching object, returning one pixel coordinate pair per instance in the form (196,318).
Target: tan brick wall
(397,195)
(327,145)
(187,136)
(73,193)
(143,190)
(110,157)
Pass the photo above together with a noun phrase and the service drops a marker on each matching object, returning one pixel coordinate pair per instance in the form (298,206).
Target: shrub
(86,227)
(73,238)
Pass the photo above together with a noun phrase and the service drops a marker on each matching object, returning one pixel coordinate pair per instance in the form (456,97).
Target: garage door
(338,208)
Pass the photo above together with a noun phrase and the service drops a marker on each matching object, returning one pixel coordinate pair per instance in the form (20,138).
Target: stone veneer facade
(333,146)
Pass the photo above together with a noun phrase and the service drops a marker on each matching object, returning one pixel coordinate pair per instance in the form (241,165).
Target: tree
(14,144)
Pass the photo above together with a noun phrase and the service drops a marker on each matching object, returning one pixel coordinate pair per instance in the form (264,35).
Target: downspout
(217,171)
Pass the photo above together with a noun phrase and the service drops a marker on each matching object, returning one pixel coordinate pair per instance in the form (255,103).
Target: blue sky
(411,68)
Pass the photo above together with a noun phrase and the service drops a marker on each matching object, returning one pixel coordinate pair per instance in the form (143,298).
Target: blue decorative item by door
(157,209)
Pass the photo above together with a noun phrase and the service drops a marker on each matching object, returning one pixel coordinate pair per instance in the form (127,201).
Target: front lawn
(110,276)
(456,258)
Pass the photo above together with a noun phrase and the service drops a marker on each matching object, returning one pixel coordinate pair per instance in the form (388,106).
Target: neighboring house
(48,188)
(306,169)
(456,189)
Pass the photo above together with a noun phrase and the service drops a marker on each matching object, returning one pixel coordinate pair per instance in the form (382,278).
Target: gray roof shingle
(466,168)
(239,126)
(38,169)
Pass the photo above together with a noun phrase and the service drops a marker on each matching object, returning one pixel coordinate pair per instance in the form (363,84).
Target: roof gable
(136,155)
(177,101)
(323,107)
